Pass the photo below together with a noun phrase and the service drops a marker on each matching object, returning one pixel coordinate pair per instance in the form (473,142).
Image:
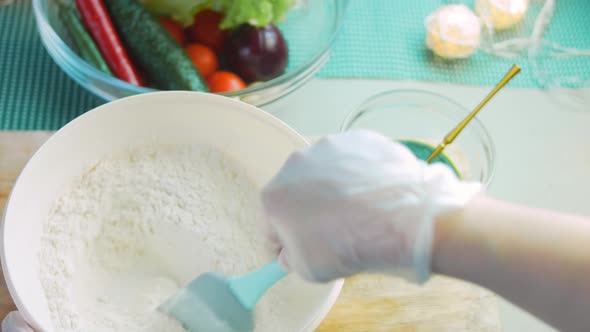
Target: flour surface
(137,226)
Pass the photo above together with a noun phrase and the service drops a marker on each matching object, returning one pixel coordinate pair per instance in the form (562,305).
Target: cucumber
(152,48)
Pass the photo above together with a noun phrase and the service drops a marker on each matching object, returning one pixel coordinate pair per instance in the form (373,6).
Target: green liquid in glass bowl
(423,150)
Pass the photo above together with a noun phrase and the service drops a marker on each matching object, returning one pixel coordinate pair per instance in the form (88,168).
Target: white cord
(537,47)
(514,47)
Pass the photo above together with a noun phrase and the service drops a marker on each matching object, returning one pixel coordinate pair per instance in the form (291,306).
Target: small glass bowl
(427,117)
(310,30)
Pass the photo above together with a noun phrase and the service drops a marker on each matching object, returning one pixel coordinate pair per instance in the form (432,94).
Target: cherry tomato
(174,28)
(205,29)
(225,81)
(203,58)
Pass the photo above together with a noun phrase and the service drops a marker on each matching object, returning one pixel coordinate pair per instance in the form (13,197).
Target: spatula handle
(250,287)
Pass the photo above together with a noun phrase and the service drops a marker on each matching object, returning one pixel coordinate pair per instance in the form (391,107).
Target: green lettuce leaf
(181,10)
(256,12)
(236,12)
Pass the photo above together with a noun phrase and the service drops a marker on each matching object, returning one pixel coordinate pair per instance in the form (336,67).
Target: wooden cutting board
(366,304)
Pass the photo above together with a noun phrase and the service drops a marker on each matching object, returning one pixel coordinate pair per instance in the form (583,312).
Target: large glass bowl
(427,117)
(310,30)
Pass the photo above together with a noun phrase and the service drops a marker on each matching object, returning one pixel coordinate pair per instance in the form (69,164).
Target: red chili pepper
(101,28)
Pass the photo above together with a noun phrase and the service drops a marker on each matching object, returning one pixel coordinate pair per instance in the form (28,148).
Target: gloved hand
(359,202)
(14,322)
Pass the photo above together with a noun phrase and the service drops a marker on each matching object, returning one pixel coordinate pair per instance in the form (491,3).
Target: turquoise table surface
(381,39)
(34,92)
(384,39)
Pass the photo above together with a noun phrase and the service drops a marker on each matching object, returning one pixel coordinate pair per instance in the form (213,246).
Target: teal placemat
(34,93)
(385,39)
(380,39)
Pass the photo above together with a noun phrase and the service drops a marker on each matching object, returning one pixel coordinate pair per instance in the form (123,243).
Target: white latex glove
(359,202)
(14,322)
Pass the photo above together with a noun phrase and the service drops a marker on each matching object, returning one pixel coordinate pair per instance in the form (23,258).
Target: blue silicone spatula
(216,303)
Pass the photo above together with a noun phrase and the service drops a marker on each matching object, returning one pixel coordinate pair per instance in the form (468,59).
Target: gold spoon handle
(457,130)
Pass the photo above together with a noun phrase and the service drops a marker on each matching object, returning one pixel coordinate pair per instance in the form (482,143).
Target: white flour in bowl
(133,229)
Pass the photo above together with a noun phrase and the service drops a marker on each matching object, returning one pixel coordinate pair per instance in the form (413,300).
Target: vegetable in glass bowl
(256,54)
(308,29)
(258,13)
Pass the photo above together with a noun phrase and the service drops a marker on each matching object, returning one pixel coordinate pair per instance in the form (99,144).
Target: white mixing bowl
(254,138)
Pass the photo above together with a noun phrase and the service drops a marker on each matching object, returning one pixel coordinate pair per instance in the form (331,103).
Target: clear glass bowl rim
(485,137)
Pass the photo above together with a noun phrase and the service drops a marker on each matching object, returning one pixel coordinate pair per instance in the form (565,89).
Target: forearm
(537,259)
